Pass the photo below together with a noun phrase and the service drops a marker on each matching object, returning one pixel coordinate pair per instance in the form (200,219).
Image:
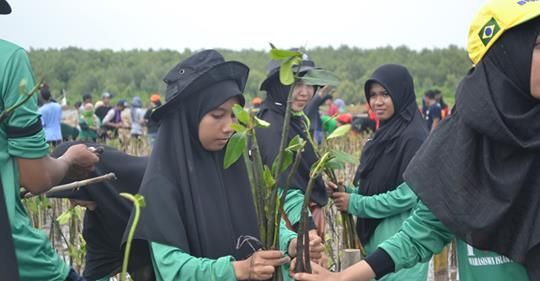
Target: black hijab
(273,111)
(8,261)
(479,172)
(386,156)
(192,202)
(104,227)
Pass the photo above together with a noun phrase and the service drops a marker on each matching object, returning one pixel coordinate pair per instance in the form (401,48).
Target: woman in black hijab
(477,174)
(390,93)
(273,111)
(198,215)
(107,213)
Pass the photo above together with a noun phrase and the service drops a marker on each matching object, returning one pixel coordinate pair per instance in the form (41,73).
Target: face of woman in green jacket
(215,126)
(380,102)
(535,70)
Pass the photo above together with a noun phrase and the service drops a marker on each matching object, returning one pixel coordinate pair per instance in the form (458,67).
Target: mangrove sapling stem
(294,168)
(4,115)
(254,189)
(136,199)
(76,184)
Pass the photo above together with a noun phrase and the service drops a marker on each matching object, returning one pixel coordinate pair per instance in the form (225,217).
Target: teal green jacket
(422,235)
(393,208)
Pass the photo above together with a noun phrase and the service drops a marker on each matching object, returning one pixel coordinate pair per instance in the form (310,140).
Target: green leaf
(320,77)
(340,131)
(286,74)
(235,147)
(261,123)
(140,199)
(296,144)
(344,157)
(64,217)
(269,181)
(287,160)
(335,164)
(242,116)
(279,54)
(238,127)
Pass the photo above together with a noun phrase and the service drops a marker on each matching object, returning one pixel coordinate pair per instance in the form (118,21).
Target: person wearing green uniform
(390,92)
(329,124)
(477,174)
(199,222)
(24,162)
(89,123)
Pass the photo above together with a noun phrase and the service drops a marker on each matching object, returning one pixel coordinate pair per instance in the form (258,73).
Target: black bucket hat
(273,69)
(4,7)
(196,73)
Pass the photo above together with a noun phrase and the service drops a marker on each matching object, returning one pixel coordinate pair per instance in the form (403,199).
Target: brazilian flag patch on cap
(490,29)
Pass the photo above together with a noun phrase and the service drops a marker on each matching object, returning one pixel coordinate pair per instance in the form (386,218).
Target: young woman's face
(302,94)
(215,126)
(535,70)
(380,102)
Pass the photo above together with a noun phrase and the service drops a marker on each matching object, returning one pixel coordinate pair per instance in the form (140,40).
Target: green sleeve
(383,205)
(285,236)
(293,204)
(351,189)
(421,236)
(171,263)
(17,70)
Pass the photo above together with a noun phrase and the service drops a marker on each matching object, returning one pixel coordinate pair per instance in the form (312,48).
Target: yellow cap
(494,19)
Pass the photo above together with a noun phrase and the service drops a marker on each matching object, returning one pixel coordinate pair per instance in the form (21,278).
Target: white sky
(237,24)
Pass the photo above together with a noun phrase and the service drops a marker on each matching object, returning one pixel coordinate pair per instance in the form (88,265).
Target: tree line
(125,74)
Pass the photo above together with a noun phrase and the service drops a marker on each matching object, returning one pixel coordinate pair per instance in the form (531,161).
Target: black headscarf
(104,227)
(273,111)
(192,202)
(479,172)
(386,156)
(8,261)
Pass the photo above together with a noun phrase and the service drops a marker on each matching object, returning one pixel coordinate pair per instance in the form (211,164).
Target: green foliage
(320,77)
(235,148)
(140,72)
(340,131)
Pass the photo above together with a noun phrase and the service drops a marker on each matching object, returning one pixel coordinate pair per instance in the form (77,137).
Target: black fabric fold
(386,156)
(479,173)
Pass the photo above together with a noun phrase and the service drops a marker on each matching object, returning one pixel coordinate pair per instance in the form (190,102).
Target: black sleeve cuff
(310,225)
(381,263)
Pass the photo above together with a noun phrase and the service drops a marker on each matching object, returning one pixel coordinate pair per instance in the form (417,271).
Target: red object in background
(332,110)
(345,118)
(372,116)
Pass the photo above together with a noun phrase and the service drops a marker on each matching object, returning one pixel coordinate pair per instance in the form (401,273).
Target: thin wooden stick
(76,184)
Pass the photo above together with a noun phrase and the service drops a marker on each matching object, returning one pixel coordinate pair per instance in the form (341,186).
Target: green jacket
(393,208)
(423,235)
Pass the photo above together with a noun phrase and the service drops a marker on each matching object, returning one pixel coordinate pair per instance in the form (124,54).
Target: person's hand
(318,273)
(325,90)
(330,187)
(316,247)
(341,200)
(260,266)
(81,161)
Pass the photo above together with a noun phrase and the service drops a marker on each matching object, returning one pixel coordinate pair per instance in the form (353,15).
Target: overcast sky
(237,24)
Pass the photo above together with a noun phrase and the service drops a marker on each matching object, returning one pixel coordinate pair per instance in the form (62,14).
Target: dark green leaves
(235,147)
(320,77)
